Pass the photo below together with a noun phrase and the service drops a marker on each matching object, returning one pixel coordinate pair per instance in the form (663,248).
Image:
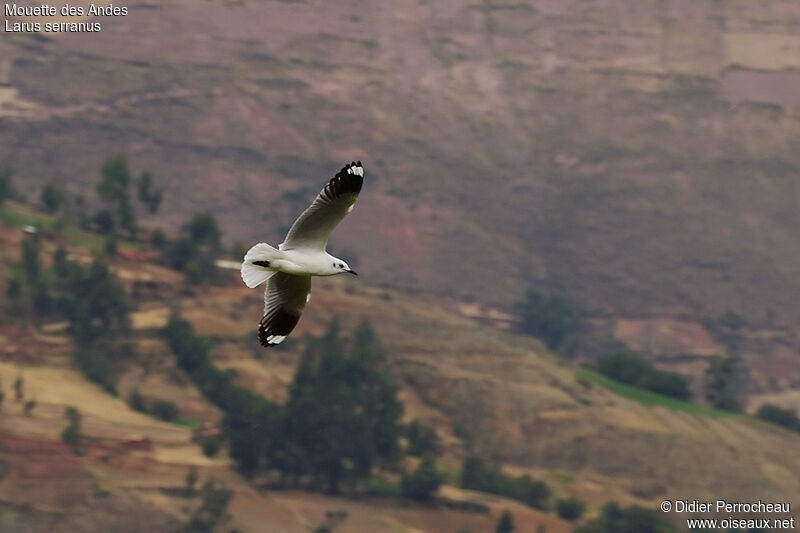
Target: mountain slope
(640,158)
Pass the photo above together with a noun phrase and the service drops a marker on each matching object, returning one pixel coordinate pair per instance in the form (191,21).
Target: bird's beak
(353,272)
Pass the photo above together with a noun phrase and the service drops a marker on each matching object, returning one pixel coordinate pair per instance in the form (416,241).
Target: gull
(288,269)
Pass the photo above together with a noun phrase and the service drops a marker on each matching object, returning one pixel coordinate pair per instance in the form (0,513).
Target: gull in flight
(288,269)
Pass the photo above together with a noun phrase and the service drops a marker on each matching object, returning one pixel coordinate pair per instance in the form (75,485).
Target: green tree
(104,222)
(191,480)
(114,180)
(72,433)
(637,371)
(211,446)
(777,415)
(19,388)
(421,439)
(110,246)
(97,305)
(13,290)
(477,474)
(158,239)
(203,230)
(5,185)
(251,424)
(615,519)
(550,318)
(196,251)
(165,410)
(725,382)
(136,401)
(30,259)
(127,217)
(97,309)
(213,510)
(42,301)
(333,519)
(506,523)
(423,483)
(60,262)
(342,413)
(51,198)
(28,406)
(114,188)
(570,508)
(148,195)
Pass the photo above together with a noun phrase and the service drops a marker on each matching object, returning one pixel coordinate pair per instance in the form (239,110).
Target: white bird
(302,254)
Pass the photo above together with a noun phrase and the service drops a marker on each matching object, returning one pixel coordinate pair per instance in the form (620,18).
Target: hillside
(641,159)
(644,156)
(484,390)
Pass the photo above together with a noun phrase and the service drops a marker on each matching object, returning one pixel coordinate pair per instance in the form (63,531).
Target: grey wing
(313,228)
(284,300)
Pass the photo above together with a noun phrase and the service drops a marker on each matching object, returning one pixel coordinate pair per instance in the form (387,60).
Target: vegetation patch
(635,370)
(478,474)
(647,397)
(341,417)
(777,415)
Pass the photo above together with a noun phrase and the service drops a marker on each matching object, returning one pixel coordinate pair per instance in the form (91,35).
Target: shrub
(211,446)
(637,371)
(51,198)
(104,221)
(476,474)
(777,415)
(615,519)
(5,184)
(136,401)
(72,433)
(423,482)
(13,289)
(213,511)
(158,239)
(165,410)
(550,318)
(570,508)
(148,195)
(380,487)
(725,380)
(203,230)
(421,439)
(505,524)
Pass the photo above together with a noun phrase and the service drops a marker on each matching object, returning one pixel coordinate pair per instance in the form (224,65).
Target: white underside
(296,262)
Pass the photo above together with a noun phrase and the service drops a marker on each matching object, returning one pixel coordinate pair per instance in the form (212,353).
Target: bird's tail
(256,266)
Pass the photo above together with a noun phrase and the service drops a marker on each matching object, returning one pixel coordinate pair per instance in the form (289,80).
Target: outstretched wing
(313,228)
(284,300)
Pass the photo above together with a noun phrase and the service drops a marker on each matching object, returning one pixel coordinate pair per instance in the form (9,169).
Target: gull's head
(340,267)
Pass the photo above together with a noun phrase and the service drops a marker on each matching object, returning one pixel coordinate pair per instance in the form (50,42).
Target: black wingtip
(347,181)
(276,326)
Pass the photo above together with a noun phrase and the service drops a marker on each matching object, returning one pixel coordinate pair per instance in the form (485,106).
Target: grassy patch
(18,215)
(78,237)
(190,423)
(451,475)
(646,397)
(380,487)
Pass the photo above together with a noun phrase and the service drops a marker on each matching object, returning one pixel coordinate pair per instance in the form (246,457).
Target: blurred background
(577,242)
